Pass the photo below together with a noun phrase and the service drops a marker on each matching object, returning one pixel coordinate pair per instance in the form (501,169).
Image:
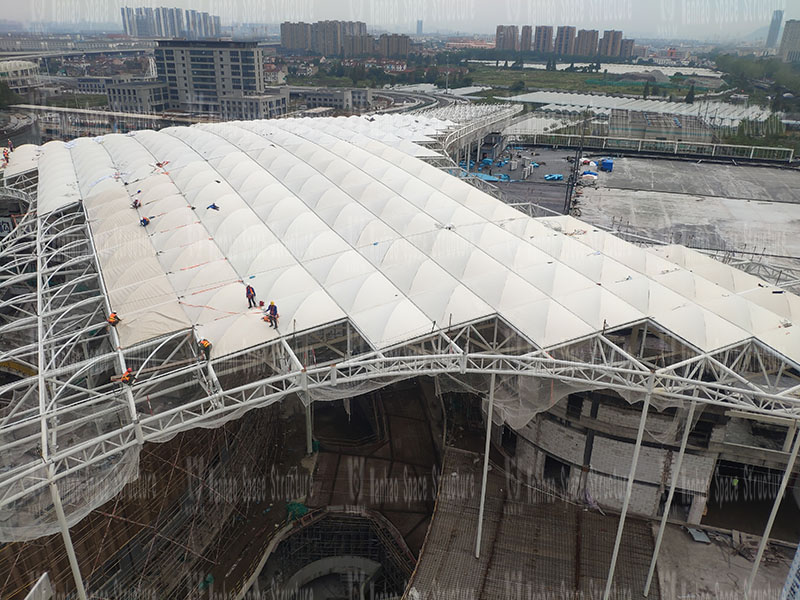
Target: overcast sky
(703,19)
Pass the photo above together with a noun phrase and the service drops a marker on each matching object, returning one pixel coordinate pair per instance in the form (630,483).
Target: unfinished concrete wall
(600,464)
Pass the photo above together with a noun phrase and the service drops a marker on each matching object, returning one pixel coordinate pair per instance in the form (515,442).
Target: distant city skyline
(673,19)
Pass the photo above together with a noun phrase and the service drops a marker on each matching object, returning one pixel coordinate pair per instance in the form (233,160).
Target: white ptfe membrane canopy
(338,219)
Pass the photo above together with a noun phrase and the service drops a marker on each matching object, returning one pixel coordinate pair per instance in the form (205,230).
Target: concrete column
(629,488)
(489,414)
(697,509)
(787,474)
(309,427)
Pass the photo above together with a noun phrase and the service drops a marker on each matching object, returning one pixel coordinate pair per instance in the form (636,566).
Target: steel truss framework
(64,421)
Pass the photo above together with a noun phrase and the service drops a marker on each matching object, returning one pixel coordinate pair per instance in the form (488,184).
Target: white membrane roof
(332,222)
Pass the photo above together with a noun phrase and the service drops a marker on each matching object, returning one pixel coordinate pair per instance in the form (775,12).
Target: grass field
(320,80)
(790,139)
(78,100)
(559,80)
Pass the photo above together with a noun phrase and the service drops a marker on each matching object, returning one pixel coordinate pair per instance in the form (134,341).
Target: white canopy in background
(337,218)
(719,113)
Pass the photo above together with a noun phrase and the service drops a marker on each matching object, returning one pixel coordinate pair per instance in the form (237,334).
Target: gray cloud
(707,19)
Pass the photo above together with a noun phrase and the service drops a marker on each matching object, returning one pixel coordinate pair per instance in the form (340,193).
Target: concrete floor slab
(699,222)
(688,569)
(704,179)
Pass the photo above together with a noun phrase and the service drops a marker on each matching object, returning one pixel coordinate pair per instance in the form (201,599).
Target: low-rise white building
(21,76)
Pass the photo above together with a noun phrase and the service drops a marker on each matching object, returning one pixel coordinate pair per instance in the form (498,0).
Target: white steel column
(629,489)
(489,414)
(787,474)
(675,474)
(48,437)
(62,520)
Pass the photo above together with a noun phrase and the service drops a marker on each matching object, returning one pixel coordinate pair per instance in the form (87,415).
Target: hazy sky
(705,19)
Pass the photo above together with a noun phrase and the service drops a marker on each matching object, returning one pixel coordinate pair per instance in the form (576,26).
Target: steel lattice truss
(64,420)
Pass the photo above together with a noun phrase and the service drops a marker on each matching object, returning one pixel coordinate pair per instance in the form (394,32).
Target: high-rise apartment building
(327,38)
(543,39)
(129,21)
(358,45)
(507,37)
(586,42)
(526,41)
(324,37)
(565,41)
(169,23)
(221,78)
(790,43)
(626,49)
(419,27)
(774,29)
(611,44)
(393,45)
(296,36)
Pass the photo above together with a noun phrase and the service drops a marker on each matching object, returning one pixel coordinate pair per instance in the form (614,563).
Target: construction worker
(205,348)
(136,203)
(212,206)
(10,146)
(144,222)
(127,377)
(113,319)
(251,297)
(272,315)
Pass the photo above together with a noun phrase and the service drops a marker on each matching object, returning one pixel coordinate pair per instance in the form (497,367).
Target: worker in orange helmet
(250,292)
(205,348)
(272,314)
(127,377)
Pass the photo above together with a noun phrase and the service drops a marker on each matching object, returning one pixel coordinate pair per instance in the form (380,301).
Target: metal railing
(475,125)
(701,149)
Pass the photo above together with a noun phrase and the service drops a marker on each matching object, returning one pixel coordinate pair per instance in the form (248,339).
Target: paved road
(535,189)
(691,180)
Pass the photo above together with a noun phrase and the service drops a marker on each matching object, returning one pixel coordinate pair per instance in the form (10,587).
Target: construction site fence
(701,149)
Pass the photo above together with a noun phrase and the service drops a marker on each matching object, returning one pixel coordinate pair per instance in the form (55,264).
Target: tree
(431,75)
(519,86)
(7,96)
(690,95)
(646,92)
(357,74)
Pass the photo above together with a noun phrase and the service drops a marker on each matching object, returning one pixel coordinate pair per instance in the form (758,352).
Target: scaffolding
(189,509)
(343,532)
